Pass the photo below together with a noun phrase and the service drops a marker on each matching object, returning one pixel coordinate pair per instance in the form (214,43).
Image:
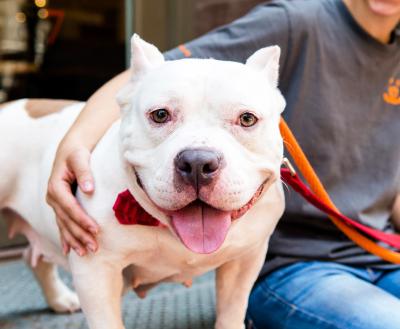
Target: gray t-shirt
(342,89)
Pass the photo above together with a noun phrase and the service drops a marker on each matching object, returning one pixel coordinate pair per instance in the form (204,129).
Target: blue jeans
(322,295)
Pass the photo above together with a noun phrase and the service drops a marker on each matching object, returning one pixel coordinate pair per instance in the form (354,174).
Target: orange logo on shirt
(392,95)
(185,51)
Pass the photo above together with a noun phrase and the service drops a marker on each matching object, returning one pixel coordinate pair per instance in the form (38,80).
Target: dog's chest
(162,271)
(170,261)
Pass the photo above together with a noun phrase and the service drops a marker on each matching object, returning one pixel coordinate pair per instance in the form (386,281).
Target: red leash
(293,180)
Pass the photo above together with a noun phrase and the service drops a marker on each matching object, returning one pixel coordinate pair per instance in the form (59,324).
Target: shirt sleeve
(265,25)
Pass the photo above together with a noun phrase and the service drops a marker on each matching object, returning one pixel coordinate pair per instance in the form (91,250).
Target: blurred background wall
(69,48)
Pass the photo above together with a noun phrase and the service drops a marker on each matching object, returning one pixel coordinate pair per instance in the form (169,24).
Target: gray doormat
(168,306)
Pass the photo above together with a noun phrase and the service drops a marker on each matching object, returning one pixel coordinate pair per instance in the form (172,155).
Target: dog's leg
(234,282)
(59,297)
(99,283)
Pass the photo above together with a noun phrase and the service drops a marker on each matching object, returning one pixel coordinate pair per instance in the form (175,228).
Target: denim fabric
(314,295)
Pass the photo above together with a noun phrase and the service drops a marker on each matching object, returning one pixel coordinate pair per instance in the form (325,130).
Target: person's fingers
(61,197)
(68,240)
(74,243)
(74,235)
(82,236)
(73,222)
(65,246)
(79,164)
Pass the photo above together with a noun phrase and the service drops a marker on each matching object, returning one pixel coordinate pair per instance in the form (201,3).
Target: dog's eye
(247,119)
(160,116)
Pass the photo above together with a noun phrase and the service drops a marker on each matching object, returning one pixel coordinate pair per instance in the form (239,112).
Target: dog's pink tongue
(201,228)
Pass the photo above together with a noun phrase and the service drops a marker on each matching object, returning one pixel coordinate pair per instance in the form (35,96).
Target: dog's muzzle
(201,227)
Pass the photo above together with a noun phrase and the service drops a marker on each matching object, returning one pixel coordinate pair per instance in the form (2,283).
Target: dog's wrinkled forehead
(208,83)
(250,86)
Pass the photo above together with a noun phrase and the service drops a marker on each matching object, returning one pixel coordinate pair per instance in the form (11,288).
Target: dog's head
(200,139)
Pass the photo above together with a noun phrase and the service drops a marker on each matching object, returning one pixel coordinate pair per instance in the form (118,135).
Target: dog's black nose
(198,167)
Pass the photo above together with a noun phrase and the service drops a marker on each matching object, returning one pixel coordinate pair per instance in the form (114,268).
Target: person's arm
(72,160)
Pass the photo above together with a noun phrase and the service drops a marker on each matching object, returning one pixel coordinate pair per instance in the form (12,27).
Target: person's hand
(77,229)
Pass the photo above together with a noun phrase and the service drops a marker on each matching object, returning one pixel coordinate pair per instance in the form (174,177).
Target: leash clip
(289,166)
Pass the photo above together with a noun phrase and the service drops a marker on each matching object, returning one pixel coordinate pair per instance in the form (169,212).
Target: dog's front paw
(67,302)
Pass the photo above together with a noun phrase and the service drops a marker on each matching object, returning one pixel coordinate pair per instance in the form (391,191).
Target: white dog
(198,146)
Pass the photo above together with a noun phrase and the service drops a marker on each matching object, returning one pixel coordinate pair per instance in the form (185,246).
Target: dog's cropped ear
(145,56)
(266,60)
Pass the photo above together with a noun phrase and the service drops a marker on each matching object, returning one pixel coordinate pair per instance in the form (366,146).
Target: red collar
(129,212)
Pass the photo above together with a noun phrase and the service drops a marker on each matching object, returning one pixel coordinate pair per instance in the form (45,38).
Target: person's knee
(268,310)
(322,299)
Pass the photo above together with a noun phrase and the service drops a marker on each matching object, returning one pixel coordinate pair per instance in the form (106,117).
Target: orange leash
(316,186)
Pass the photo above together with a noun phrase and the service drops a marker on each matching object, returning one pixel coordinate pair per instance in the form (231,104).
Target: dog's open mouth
(202,228)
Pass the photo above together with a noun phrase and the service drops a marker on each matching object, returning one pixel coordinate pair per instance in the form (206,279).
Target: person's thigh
(390,282)
(321,295)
